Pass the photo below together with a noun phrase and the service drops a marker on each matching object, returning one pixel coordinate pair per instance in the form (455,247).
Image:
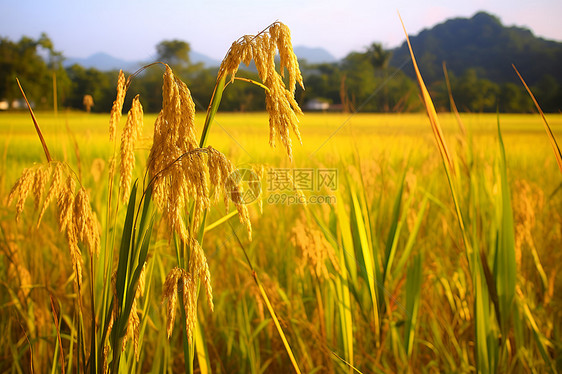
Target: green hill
(482,43)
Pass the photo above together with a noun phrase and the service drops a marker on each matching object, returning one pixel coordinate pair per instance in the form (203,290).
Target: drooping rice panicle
(75,216)
(181,171)
(280,103)
(21,189)
(179,279)
(131,133)
(117,107)
(86,222)
(316,251)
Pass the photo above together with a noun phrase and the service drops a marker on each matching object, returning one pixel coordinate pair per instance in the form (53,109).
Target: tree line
(362,81)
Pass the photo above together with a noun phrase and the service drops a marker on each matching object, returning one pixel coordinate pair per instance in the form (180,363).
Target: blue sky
(130,29)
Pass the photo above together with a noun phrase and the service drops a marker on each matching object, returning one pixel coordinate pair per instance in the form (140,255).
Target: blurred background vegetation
(478,53)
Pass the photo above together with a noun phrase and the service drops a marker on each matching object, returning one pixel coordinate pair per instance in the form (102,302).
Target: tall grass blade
(485,345)
(541,341)
(505,266)
(59,341)
(277,324)
(393,233)
(37,129)
(452,100)
(413,298)
(347,248)
(347,277)
(551,137)
(347,363)
(397,270)
(367,259)
(432,114)
(125,259)
(441,145)
(212,109)
(201,348)
(268,304)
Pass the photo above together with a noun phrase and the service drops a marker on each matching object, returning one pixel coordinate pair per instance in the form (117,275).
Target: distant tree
(378,56)
(548,93)
(514,99)
(100,85)
(34,63)
(322,81)
(176,54)
(474,94)
(360,81)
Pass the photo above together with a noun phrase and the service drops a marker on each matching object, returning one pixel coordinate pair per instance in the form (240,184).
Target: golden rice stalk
(131,133)
(117,107)
(133,323)
(105,363)
(86,222)
(75,256)
(180,170)
(180,278)
(18,270)
(280,102)
(40,181)
(66,204)
(283,110)
(221,172)
(170,296)
(173,139)
(316,251)
(281,34)
(37,128)
(199,268)
(98,165)
(57,174)
(21,189)
(75,216)
(174,130)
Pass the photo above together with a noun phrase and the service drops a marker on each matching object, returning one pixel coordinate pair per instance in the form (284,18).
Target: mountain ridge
(482,43)
(104,61)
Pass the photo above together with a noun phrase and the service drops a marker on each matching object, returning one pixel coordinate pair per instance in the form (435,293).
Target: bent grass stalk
(493,289)
(484,351)
(551,137)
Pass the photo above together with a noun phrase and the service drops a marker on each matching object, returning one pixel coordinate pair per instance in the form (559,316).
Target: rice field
(383,243)
(373,278)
